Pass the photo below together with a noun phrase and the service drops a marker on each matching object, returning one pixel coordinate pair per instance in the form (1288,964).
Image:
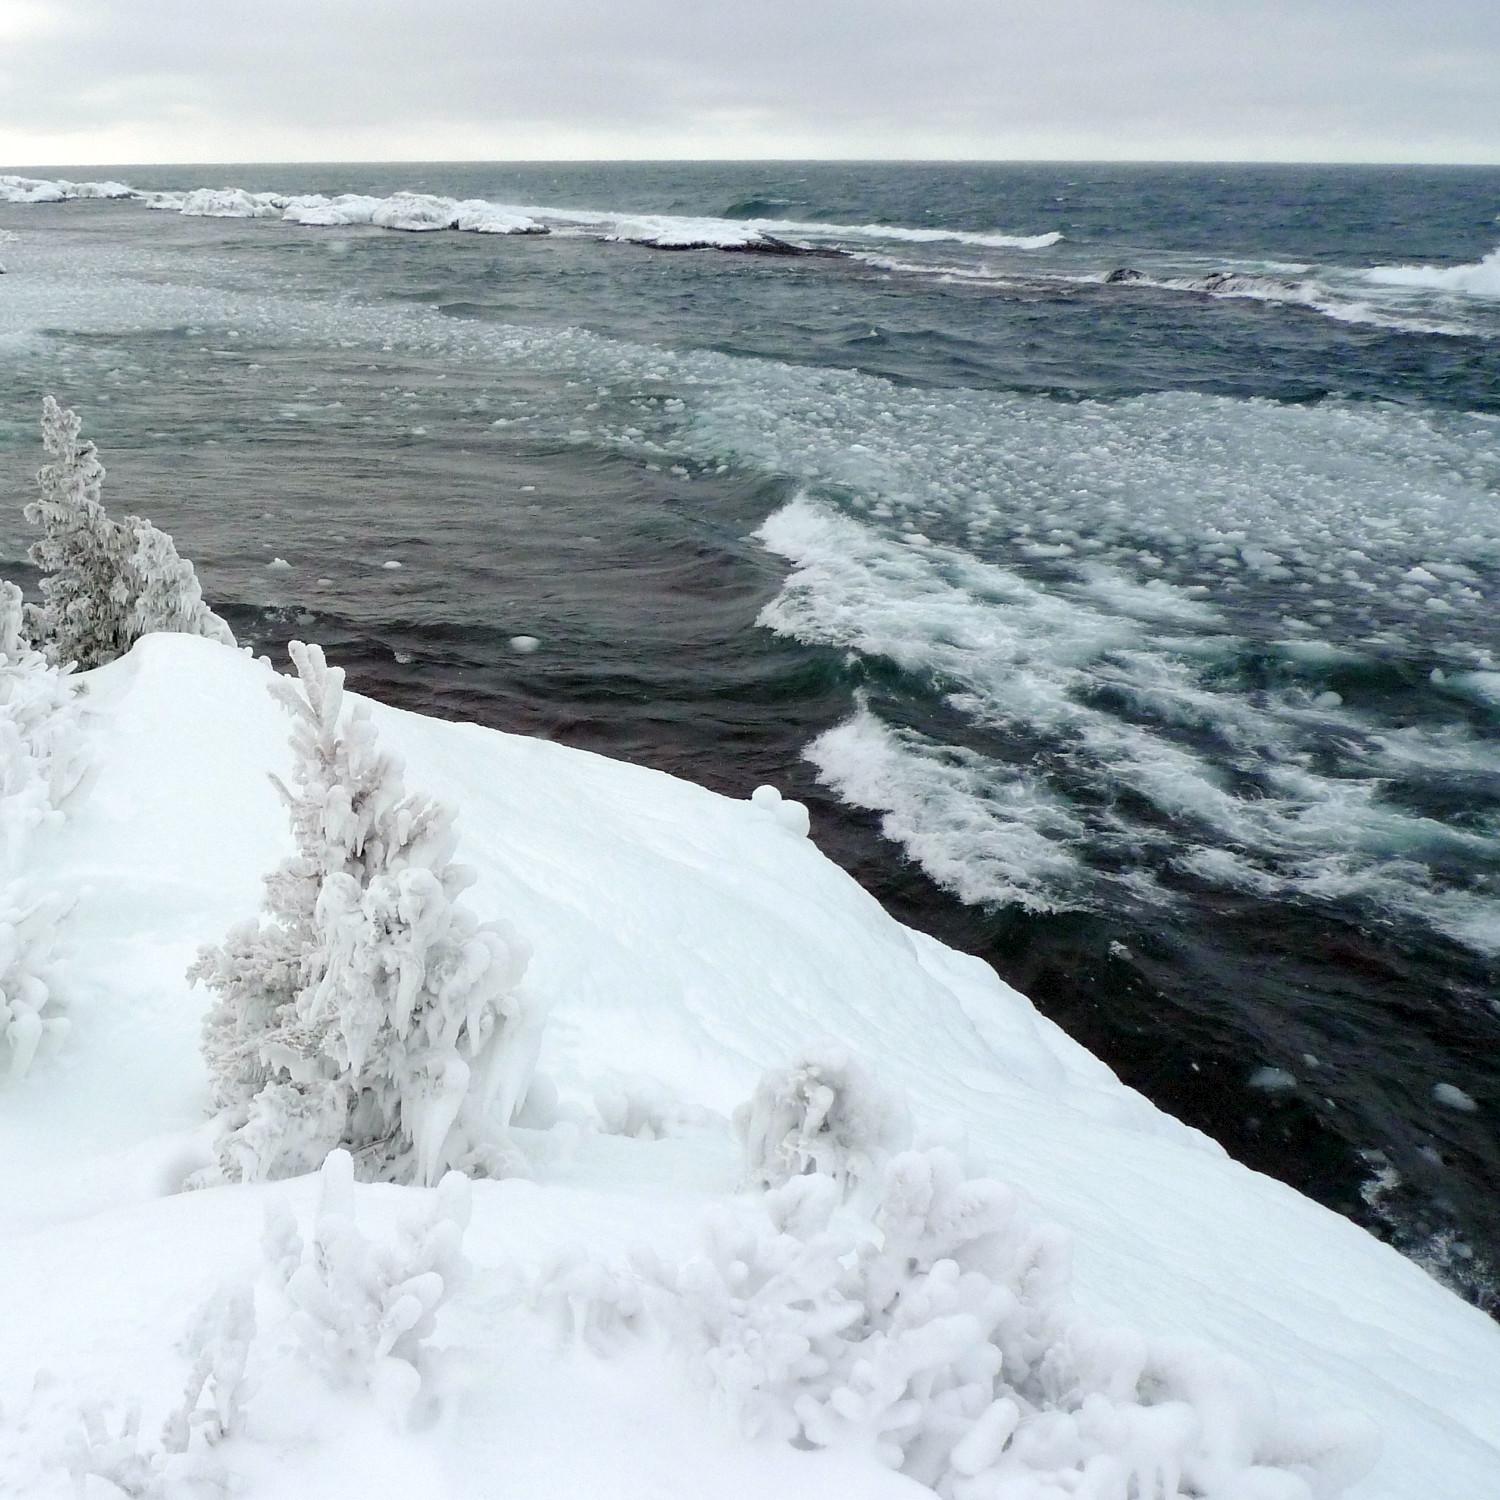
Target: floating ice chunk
(1452,1097)
(278,563)
(1272,1080)
(525,644)
(390,565)
(1261,559)
(1484,687)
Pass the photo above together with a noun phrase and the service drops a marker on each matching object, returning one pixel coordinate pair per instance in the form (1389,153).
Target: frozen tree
(163,589)
(81,551)
(368,1008)
(824,1113)
(105,583)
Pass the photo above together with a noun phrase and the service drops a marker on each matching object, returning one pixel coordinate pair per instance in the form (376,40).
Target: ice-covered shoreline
(683,936)
(418,212)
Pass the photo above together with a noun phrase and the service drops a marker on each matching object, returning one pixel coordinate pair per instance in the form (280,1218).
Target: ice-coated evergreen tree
(163,589)
(367,1008)
(105,583)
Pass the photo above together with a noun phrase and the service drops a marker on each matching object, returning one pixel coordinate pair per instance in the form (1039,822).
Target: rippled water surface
(1110,556)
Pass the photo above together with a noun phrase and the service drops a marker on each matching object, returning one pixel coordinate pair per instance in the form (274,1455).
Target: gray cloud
(172,80)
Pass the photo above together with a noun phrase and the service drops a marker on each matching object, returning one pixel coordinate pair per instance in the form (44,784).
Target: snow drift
(1059,1286)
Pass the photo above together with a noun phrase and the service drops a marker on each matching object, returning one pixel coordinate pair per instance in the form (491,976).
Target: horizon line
(909,161)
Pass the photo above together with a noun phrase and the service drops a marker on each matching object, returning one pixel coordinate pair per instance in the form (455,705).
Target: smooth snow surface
(686,943)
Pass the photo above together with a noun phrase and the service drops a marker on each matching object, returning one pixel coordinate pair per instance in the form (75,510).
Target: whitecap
(1481,279)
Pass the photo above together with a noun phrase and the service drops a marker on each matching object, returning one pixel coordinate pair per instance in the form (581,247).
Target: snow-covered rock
(683,936)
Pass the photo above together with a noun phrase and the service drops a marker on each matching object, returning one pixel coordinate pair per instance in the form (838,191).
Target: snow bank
(689,938)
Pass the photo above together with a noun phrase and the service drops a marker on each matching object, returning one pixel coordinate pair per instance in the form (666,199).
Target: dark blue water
(1139,635)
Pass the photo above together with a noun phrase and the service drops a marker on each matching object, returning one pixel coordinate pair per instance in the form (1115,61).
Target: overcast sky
(126,81)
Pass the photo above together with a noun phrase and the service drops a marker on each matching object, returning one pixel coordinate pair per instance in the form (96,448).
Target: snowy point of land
(948,1252)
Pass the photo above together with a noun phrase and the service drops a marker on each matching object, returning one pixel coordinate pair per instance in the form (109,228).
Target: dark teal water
(1140,635)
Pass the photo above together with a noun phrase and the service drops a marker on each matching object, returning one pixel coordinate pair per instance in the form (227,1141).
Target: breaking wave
(1482,279)
(1299,291)
(1290,288)
(1157,753)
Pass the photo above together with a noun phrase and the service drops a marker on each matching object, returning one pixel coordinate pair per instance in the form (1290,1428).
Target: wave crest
(1481,279)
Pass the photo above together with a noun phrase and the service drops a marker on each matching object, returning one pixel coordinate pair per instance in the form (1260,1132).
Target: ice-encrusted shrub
(353,1312)
(218,1343)
(823,1113)
(180,1463)
(105,583)
(42,748)
(362,1309)
(367,1008)
(938,1334)
(30,973)
(599,1305)
(42,764)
